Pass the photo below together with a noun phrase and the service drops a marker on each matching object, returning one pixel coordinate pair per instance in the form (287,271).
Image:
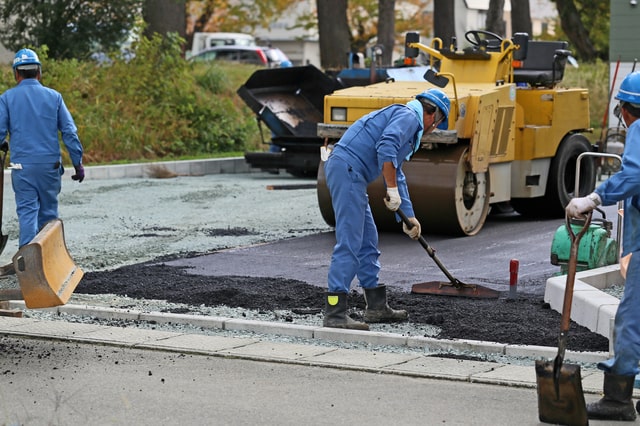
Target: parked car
(257,55)
(204,41)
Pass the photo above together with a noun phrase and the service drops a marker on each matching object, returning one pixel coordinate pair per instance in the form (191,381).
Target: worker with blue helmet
(32,116)
(620,371)
(376,144)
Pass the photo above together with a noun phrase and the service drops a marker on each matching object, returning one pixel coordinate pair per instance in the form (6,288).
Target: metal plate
(443,288)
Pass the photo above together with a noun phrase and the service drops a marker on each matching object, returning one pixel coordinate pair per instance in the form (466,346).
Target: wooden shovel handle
(571,270)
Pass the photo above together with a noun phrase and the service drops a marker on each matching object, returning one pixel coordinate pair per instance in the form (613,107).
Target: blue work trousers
(626,343)
(36,188)
(356,251)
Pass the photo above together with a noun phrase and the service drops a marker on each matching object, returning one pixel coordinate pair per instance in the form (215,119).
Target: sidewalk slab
(126,335)
(363,359)
(279,351)
(55,329)
(201,343)
(436,367)
(512,375)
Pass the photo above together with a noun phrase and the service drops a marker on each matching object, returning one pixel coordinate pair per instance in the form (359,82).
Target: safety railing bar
(576,188)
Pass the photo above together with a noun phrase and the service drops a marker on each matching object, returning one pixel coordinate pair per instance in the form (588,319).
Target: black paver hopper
(290,101)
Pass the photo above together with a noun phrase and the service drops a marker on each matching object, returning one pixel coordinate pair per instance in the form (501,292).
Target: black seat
(544,64)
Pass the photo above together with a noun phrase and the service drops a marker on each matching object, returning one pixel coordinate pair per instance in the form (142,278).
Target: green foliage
(595,77)
(70,28)
(156,106)
(595,18)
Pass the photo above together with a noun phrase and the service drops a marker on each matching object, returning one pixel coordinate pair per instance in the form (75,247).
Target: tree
(521,17)
(165,16)
(495,21)
(333,31)
(571,21)
(444,23)
(386,29)
(70,28)
(230,15)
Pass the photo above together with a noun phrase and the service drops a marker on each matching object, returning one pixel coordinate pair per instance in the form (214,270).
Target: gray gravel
(116,222)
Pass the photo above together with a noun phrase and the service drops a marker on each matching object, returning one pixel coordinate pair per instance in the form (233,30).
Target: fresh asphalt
(57,372)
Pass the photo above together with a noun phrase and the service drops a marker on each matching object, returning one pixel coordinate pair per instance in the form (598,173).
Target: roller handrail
(576,188)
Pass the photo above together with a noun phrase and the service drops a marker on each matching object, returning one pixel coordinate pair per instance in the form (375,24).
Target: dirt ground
(526,320)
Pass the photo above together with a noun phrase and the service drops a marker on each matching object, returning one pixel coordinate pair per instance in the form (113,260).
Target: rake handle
(432,253)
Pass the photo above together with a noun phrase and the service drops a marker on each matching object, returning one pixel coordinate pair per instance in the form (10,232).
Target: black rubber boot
(377,308)
(335,313)
(616,403)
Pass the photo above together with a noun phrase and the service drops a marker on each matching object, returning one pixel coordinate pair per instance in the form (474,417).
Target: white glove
(393,200)
(577,207)
(415,231)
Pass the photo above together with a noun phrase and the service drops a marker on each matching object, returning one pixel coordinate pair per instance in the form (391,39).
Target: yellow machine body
(522,134)
(46,272)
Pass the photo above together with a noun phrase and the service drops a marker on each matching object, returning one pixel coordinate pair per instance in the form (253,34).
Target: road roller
(514,133)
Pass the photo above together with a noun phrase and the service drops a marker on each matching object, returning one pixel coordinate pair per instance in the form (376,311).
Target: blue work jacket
(625,185)
(32,115)
(384,135)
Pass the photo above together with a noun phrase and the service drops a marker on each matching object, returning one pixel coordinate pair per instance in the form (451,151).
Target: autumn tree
(384,23)
(70,28)
(231,16)
(343,25)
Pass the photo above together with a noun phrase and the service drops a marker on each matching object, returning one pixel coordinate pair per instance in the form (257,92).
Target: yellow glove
(415,231)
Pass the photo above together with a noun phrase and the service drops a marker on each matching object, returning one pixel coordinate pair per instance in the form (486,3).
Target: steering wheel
(479,38)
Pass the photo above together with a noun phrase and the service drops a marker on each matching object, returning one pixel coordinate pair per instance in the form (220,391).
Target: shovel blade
(3,241)
(560,401)
(442,288)
(46,272)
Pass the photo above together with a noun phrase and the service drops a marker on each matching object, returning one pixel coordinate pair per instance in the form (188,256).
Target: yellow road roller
(513,139)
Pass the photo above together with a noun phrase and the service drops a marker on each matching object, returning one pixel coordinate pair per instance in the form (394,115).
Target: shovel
(560,396)
(454,287)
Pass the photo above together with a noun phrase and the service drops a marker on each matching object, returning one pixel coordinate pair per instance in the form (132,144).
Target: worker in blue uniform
(376,144)
(620,371)
(32,115)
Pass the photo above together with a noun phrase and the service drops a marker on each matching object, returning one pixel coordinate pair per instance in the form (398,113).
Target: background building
(624,50)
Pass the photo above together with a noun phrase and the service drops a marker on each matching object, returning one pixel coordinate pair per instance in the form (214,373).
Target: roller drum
(447,197)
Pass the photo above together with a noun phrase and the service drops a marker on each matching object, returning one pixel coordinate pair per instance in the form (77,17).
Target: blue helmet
(630,89)
(26,59)
(438,98)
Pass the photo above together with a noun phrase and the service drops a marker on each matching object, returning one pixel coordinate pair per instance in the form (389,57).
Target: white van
(204,41)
